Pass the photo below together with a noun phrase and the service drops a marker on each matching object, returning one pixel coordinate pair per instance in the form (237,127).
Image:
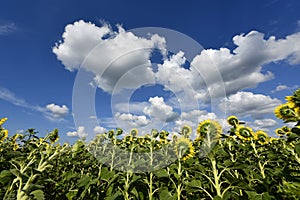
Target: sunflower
(208,127)
(244,133)
(119,131)
(184,148)
(3,135)
(134,132)
(284,111)
(273,140)
(262,137)
(289,98)
(111,133)
(163,134)
(186,131)
(53,137)
(3,120)
(15,146)
(233,121)
(280,132)
(154,133)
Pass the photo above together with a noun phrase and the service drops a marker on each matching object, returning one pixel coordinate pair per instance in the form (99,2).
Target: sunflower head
(128,138)
(154,133)
(174,138)
(119,131)
(286,112)
(111,133)
(184,148)
(233,121)
(2,121)
(53,137)
(15,146)
(244,133)
(3,135)
(208,127)
(163,134)
(186,131)
(262,137)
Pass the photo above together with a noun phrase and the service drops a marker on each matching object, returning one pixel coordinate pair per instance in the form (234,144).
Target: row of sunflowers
(237,164)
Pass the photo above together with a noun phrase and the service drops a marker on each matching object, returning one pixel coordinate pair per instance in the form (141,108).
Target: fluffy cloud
(57,111)
(117,57)
(159,110)
(79,133)
(265,123)
(242,68)
(99,129)
(249,104)
(128,119)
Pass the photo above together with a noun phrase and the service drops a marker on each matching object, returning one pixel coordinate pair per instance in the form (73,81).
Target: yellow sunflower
(186,130)
(273,140)
(154,133)
(134,132)
(233,121)
(15,146)
(53,137)
(184,148)
(279,132)
(210,127)
(289,98)
(3,135)
(262,137)
(284,111)
(3,120)
(244,133)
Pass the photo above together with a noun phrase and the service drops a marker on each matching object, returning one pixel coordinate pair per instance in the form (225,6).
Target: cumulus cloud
(99,129)
(128,119)
(79,133)
(249,104)
(243,67)
(265,123)
(52,111)
(109,58)
(160,110)
(57,111)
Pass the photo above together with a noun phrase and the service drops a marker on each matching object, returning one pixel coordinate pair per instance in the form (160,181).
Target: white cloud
(265,123)
(281,87)
(57,111)
(79,133)
(242,68)
(284,87)
(119,57)
(249,104)
(160,110)
(99,129)
(128,119)
(7,28)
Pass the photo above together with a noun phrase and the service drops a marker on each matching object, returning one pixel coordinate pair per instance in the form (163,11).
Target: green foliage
(239,165)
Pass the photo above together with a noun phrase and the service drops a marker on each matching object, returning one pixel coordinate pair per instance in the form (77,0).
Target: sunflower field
(237,164)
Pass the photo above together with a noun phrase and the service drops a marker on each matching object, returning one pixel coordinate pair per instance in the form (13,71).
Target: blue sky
(253,46)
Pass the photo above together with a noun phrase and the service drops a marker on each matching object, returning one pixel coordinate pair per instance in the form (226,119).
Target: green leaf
(194,183)
(217,198)
(38,194)
(161,173)
(83,181)
(5,176)
(297,149)
(113,197)
(165,195)
(71,194)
